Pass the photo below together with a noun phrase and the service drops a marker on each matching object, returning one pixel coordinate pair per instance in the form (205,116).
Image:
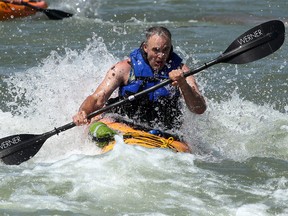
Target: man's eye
(166,50)
(156,50)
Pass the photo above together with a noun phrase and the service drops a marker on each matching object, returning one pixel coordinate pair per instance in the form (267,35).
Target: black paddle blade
(19,148)
(56,14)
(256,43)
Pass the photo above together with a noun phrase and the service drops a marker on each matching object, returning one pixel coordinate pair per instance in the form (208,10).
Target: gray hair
(158,30)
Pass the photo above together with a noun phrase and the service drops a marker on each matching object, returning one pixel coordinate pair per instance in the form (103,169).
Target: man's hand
(194,100)
(177,76)
(80,118)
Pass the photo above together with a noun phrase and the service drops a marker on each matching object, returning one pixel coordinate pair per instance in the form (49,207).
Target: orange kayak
(10,11)
(104,130)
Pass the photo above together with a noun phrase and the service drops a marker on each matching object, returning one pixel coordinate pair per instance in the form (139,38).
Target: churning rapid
(240,154)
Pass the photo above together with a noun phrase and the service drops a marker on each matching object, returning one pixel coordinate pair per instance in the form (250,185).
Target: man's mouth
(159,63)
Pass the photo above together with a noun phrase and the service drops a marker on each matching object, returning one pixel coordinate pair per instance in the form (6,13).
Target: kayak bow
(103,131)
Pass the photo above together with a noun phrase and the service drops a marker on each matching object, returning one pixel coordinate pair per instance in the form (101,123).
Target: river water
(239,164)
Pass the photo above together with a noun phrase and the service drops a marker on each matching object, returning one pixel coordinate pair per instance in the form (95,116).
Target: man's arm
(116,76)
(189,89)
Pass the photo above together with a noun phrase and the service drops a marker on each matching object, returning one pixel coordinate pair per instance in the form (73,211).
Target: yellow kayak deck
(142,138)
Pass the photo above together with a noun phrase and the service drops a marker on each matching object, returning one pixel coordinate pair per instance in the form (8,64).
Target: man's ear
(144,47)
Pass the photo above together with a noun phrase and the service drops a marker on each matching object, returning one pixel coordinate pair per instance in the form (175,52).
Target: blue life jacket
(142,77)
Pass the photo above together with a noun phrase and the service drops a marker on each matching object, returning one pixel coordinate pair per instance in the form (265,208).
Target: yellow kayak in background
(10,11)
(103,132)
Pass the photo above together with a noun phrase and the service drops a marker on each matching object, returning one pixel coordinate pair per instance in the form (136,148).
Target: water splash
(239,129)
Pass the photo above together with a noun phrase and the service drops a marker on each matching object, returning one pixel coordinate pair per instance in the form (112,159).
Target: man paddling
(18,148)
(147,66)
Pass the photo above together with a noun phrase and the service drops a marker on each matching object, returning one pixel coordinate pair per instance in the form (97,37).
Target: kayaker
(148,65)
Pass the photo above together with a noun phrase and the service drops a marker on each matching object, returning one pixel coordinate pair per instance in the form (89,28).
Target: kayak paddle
(254,44)
(50,13)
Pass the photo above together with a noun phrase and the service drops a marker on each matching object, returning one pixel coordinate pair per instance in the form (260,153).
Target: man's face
(157,49)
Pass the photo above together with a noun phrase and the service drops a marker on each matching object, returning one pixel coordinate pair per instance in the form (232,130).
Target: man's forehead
(158,41)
